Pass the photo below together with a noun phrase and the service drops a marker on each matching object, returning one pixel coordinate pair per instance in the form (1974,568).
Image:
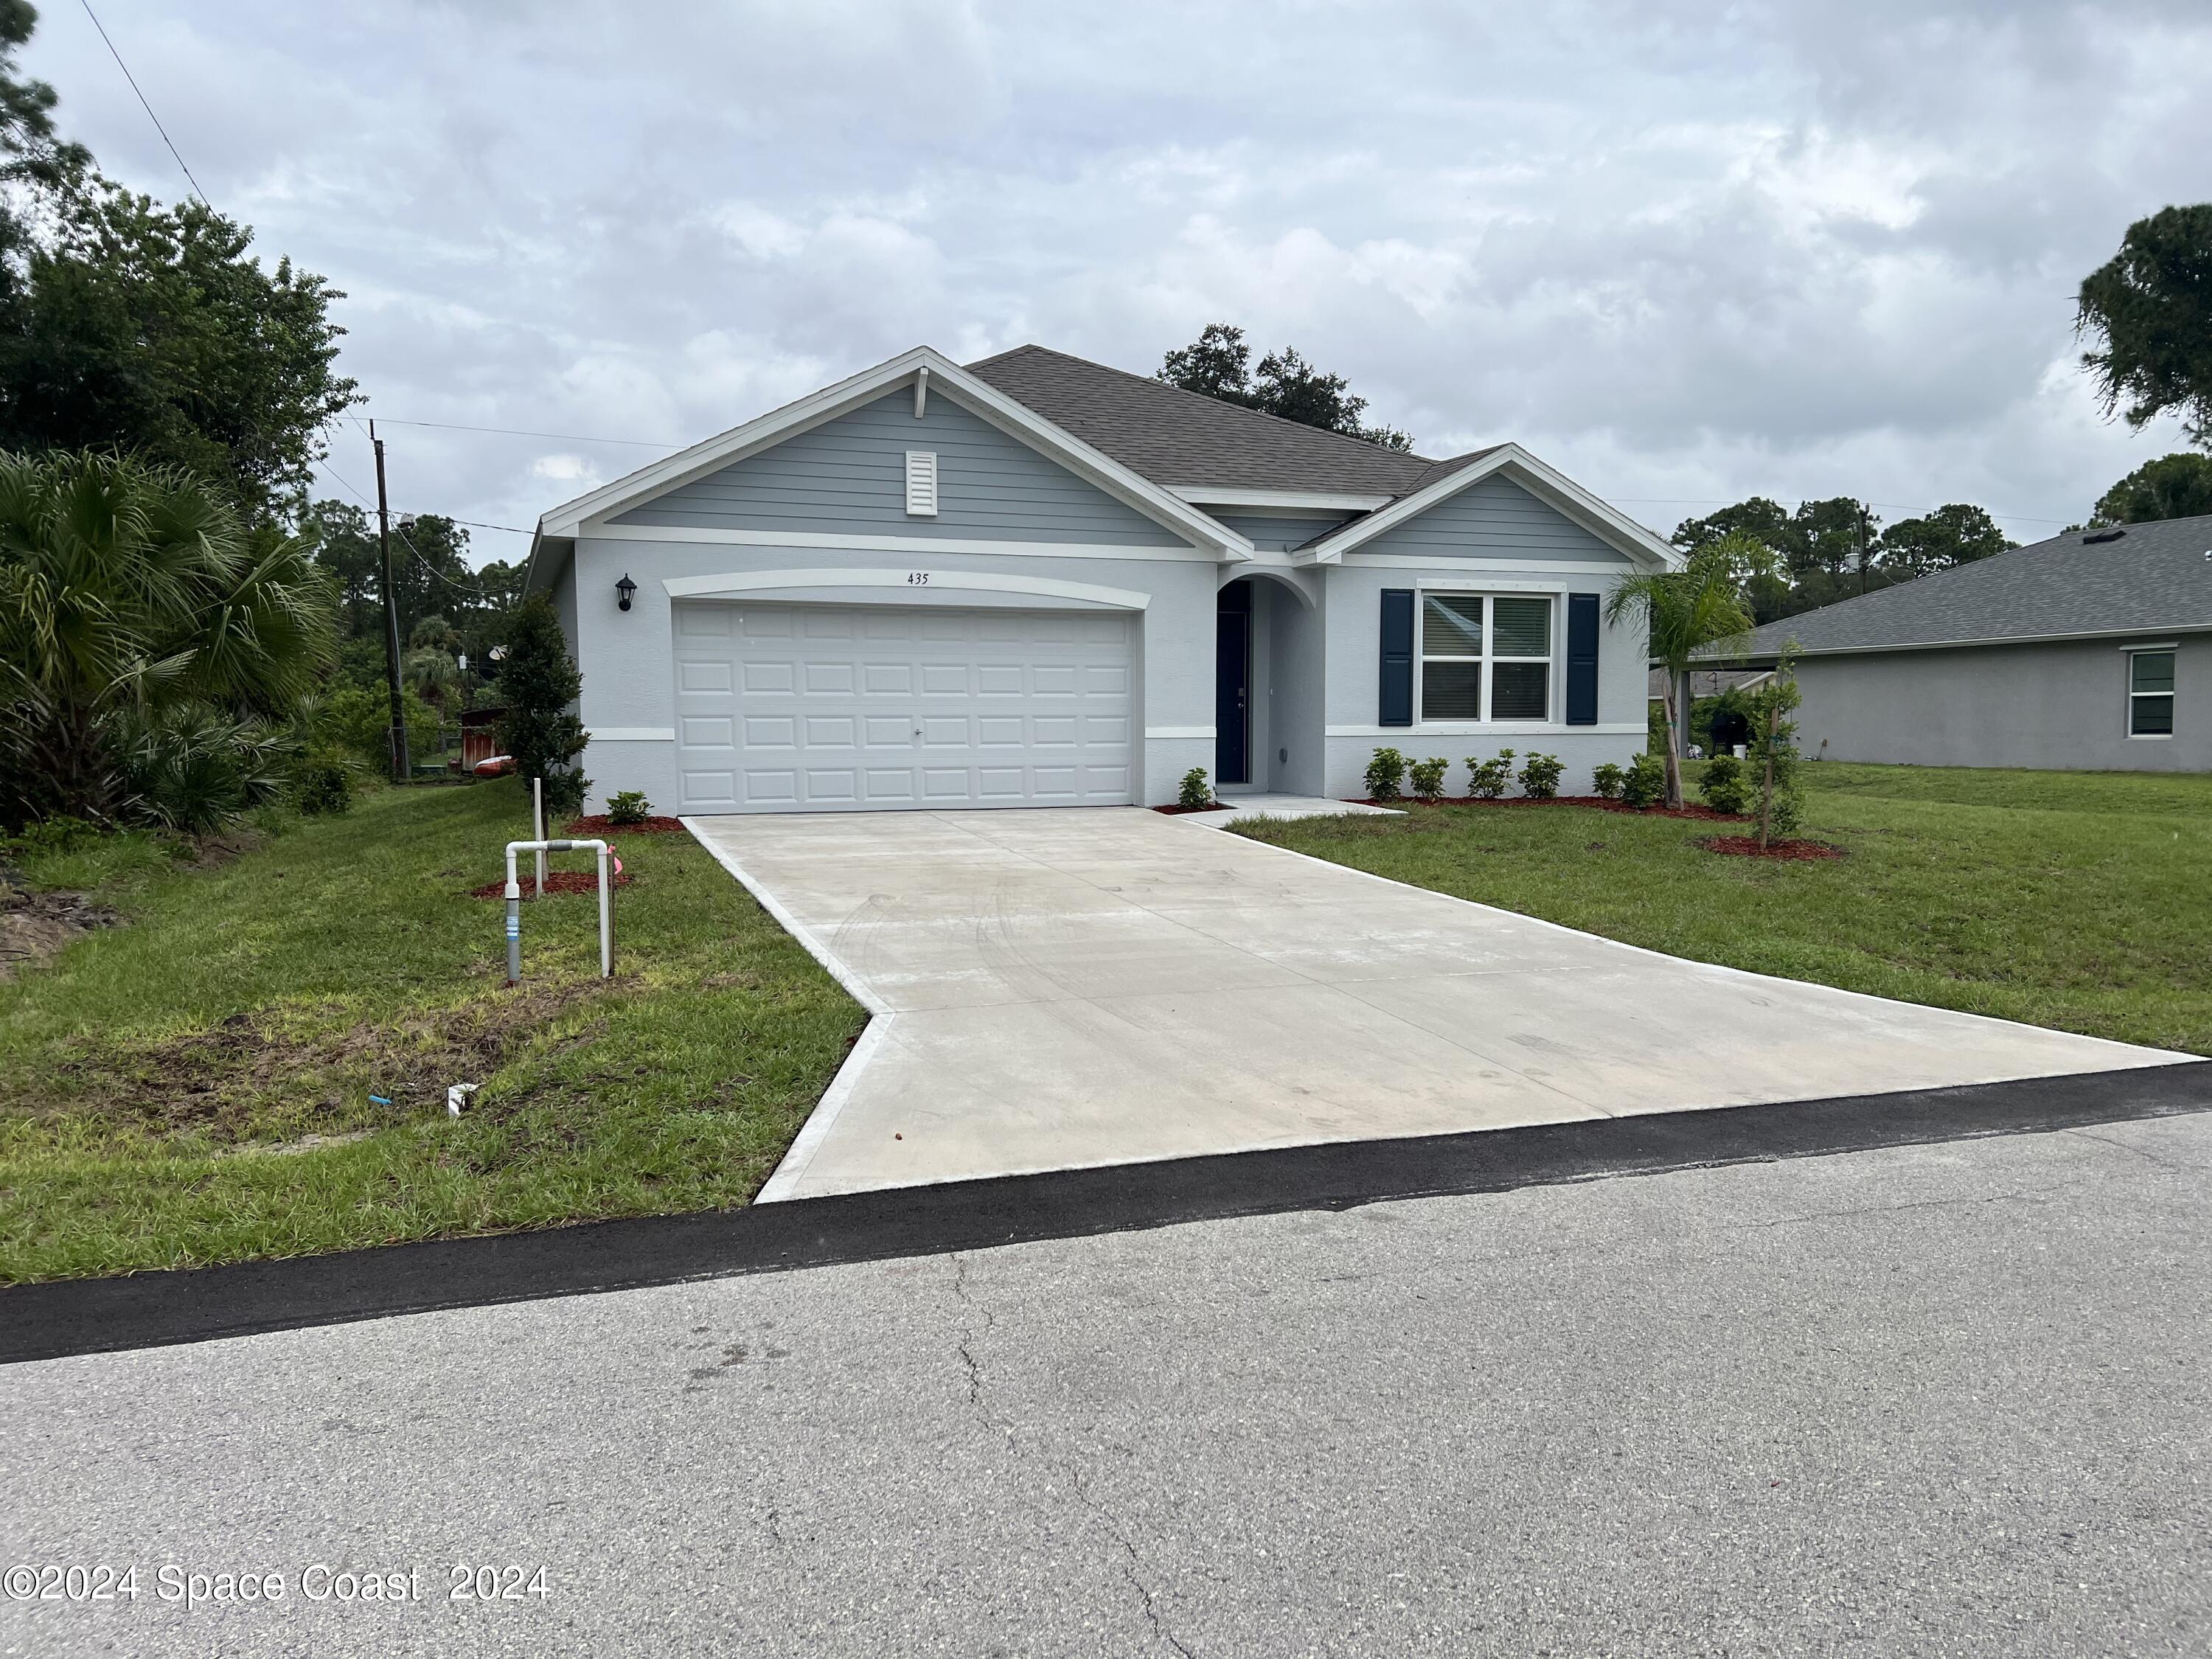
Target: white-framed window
(1485,657)
(2150,694)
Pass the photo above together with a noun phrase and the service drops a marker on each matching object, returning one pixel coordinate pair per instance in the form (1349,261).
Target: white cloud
(1689,253)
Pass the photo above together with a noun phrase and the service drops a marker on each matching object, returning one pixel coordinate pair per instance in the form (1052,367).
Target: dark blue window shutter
(1397,657)
(1582,660)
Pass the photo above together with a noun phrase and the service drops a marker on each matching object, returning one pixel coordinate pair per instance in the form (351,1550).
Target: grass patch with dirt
(194,1085)
(2079,901)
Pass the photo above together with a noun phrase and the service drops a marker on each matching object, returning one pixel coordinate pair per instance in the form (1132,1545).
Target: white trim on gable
(1549,485)
(946,379)
(1280,501)
(904,546)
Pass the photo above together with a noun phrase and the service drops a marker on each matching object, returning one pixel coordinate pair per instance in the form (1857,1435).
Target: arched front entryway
(1267,687)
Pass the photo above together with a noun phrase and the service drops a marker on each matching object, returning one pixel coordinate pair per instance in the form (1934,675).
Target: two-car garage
(796,707)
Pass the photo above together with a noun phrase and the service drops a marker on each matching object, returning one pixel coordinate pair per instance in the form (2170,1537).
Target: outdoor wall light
(624,589)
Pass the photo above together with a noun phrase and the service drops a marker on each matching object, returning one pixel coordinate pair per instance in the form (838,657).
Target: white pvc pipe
(514,901)
(537,828)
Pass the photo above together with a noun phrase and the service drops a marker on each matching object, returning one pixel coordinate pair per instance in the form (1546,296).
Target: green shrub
(322,782)
(1607,781)
(193,767)
(358,720)
(44,837)
(1725,787)
(1540,776)
(1427,778)
(1645,784)
(1195,792)
(1386,775)
(1487,778)
(631,806)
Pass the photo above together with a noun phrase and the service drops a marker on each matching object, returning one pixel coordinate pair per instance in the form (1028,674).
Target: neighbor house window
(2150,694)
(1485,657)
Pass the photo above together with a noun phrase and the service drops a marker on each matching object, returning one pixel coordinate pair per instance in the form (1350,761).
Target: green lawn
(194,1087)
(2081,901)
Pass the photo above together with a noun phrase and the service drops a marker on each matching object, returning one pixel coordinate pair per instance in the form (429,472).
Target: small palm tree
(1686,610)
(128,591)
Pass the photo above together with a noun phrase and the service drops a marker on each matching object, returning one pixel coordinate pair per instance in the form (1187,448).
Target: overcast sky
(1686,252)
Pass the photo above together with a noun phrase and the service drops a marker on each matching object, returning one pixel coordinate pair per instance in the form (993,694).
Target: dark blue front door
(1232,686)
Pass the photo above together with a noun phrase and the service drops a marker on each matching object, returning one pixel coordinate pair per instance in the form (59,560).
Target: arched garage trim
(970,582)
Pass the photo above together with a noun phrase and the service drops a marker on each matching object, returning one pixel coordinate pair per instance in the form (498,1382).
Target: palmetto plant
(135,609)
(1686,610)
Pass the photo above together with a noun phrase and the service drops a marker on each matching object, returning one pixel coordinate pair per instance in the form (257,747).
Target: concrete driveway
(1059,989)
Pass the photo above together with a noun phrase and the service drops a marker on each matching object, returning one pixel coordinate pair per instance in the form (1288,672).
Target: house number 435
(917,579)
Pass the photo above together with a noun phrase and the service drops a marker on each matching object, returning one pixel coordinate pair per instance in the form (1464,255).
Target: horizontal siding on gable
(1277,532)
(847,476)
(1495,519)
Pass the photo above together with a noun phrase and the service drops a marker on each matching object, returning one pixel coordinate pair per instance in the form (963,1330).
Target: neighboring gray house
(1036,581)
(2092,651)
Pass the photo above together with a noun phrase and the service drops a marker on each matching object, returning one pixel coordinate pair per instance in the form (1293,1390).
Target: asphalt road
(1948,1399)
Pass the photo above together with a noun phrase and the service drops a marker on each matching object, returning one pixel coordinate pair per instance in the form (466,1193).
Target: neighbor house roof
(2150,578)
(1182,440)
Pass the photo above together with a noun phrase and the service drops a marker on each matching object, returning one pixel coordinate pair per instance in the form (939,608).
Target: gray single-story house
(1035,580)
(2091,650)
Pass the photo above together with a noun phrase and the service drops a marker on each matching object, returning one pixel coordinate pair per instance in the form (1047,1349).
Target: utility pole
(1861,506)
(402,768)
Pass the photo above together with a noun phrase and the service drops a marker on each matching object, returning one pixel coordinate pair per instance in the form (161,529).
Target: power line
(523,432)
(474,591)
(143,105)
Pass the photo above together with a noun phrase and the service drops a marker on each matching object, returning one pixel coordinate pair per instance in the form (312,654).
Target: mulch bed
(1748,847)
(556,881)
(600,827)
(1218,806)
(1687,809)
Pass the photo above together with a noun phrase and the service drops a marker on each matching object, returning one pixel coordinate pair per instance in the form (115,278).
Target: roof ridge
(1157,384)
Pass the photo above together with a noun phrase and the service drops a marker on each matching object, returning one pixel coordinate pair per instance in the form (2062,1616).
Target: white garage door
(813,708)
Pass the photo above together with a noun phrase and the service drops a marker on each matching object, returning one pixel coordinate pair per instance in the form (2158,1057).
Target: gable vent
(921,483)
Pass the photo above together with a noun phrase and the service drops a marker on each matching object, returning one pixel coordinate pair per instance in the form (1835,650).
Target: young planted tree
(1774,751)
(539,685)
(1684,612)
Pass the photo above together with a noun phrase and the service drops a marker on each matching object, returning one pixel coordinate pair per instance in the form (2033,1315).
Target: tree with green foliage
(131,326)
(2149,309)
(539,684)
(1952,535)
(1217,364)
(2177,486)
(1682,612)
(28,149)
(138,614)
(1774,751)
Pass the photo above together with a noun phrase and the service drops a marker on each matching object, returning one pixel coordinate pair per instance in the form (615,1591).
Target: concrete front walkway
(1058,988)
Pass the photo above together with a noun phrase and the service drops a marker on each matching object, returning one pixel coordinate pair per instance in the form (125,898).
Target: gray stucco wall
(847,476)
(2061,705)
(1495,519)
(628,658)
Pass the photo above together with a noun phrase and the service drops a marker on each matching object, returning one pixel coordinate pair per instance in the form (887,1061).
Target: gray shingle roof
(2156,578)
(1182,440)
